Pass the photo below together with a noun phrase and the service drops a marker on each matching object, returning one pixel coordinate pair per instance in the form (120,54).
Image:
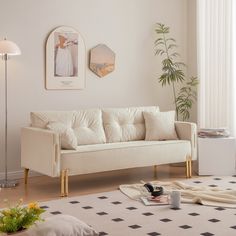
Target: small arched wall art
(65,59)
(102,60)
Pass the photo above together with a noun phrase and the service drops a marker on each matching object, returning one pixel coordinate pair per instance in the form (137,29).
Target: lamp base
(8,183)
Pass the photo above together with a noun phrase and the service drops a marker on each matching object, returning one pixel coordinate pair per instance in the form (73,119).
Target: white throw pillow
(160,125)
(61,225)
(67,136)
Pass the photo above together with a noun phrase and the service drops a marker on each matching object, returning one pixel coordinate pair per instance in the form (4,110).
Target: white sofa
(108,139)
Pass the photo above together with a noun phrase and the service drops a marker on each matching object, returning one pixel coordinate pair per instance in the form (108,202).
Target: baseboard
(18,174)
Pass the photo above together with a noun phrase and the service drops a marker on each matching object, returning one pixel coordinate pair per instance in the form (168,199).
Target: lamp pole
(7,48)
(5,58)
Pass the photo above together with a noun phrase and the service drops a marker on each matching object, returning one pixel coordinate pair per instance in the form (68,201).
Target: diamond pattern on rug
(131,208)
(116,203)
(102,213)
(148,214)
(117,219)
(114,214)
(73,202)
(87,207)
(207,234)
(214,220)
(55,212)
(153,234)
(194,214)
(103,197)
(220,209)
(213,185)
(165,220)
(217,178)
(185,226)
(135,226)
(102,233)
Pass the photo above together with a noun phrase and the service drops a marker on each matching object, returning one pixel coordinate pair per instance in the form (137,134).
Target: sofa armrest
(188,131)
(40,151)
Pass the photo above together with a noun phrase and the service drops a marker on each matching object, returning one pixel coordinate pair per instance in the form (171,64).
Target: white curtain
(216,106)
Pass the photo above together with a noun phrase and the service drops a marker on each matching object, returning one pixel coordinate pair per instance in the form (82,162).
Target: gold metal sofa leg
(188,167)
(64,183)
(26,174)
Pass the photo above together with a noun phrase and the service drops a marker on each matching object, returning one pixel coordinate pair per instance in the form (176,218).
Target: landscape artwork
(102,60)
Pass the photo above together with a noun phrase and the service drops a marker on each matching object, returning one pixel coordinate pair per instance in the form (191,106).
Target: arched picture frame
(65,59)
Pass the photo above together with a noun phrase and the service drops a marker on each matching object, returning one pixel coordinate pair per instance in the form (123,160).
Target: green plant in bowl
(18,217)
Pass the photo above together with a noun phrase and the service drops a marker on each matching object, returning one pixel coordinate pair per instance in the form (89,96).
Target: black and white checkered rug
(112,213)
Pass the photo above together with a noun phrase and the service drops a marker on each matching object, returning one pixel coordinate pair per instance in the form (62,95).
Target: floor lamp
(7,48)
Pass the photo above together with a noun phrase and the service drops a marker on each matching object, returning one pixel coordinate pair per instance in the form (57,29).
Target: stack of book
(213,133)
(154,201)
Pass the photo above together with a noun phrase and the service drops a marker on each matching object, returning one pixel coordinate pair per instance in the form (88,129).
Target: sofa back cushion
(125,124)
(86,124)
(88,127)
(40,119)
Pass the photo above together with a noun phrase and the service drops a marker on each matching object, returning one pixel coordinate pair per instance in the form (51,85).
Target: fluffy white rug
(113,213)
(60,225)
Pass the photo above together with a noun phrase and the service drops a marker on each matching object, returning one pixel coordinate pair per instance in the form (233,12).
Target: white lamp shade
(9,48)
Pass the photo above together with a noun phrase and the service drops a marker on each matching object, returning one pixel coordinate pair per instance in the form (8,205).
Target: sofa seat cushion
(122,145)
(115,156)
(125,124)
(88,127)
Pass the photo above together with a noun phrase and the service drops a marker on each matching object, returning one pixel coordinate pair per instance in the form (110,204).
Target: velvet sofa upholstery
(108,139)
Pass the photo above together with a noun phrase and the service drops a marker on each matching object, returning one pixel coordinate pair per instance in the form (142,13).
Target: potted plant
(173,73)
(17,218)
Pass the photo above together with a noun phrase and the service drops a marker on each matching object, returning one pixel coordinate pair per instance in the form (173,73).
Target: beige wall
(126,26)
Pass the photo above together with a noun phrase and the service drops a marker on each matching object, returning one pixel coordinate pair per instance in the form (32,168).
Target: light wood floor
(43,188)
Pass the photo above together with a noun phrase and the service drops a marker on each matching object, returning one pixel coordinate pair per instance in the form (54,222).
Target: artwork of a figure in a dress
(66,54)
